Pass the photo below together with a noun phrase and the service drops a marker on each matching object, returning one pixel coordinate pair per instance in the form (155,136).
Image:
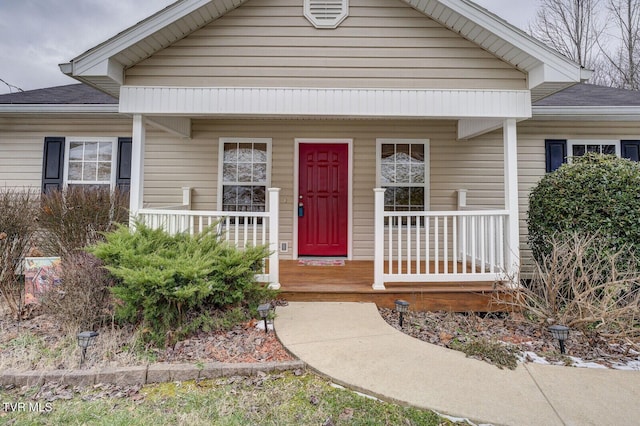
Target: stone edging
(144,374)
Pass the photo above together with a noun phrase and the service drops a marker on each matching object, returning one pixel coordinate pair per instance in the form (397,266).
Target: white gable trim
(319,102)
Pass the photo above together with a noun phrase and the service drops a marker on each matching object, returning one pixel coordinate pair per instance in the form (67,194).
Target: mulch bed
(244,343)
(444,328)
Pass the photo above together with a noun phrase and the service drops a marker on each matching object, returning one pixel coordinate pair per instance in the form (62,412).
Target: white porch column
(274,234)
(137,166)
(378,263)
(511,196)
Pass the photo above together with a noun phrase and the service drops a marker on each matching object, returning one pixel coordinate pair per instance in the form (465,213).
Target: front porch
(443,260)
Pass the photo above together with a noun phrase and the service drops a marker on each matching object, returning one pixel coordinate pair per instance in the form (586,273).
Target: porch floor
(352,283)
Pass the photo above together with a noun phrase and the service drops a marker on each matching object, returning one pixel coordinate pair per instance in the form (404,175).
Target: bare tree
(11,86)
(571,27)
(621,66)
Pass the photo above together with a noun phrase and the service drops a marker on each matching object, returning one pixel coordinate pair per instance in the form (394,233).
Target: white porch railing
(440,246)
(243,229)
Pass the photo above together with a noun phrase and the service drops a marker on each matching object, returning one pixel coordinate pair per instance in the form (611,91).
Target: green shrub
(18,210)
(596,195)
(163,277)
(76,217)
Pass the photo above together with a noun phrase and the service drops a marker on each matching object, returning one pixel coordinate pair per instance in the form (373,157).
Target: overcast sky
(37,35)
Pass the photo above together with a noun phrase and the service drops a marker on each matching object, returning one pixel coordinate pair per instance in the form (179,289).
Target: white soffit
(307,102)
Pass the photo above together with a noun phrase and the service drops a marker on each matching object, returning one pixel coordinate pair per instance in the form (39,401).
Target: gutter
(587,113)
(59,108)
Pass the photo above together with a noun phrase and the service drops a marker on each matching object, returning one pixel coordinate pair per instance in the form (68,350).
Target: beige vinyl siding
(382,44)
(531,158)
(172,164)
(22,142)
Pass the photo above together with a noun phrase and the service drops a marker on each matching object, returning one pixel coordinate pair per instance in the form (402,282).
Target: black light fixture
(560,333)
(402,306)
(85,339)
(263,310)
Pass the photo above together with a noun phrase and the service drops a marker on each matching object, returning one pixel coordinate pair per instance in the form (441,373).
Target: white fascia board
(140,31)
(322,102)
(59,108)
(507,32)
(587,113)
(108,68)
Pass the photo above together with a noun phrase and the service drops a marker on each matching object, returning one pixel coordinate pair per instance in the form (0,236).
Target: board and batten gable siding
(22,142)
(172,164)
(382,44)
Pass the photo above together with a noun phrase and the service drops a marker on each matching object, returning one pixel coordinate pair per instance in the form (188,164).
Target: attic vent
(326,13)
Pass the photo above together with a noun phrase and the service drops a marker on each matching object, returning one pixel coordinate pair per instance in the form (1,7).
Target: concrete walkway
(355,347)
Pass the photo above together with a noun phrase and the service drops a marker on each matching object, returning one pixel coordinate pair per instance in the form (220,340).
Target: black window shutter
(555,153)
(630,150)
(53,164)
(123,175)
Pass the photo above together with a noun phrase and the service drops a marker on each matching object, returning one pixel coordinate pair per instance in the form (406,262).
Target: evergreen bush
(595,195)
(162,277)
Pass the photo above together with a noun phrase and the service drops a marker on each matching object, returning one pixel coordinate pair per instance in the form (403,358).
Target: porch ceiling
(325,103)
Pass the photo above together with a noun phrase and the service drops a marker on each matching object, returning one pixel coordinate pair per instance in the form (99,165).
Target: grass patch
(279,399)
(496,353)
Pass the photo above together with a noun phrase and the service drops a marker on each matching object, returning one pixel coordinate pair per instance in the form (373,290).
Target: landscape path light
(85,339)
(560,333)
(402,306)
(263,310)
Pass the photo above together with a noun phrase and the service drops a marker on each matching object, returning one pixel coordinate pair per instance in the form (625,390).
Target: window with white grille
(326,13)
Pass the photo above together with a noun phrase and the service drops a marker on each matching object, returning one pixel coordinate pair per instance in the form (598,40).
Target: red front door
(323,199)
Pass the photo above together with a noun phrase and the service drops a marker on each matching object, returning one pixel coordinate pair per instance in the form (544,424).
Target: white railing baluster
(483,237)
(427,245)
(409,244)
(390,258)
(400,244)
(436,241)
(464,244)
(418,258)
(474,242)
(454,226)
(446,244)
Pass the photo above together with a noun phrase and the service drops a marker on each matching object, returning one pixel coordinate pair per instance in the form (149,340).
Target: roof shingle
(72,94)
(591,95)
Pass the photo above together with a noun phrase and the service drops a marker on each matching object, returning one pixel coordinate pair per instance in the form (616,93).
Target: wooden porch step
(352,283)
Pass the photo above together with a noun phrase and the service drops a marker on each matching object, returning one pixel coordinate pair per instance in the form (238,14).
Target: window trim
(572,142)
(114,159)
(221,142)
(427,166)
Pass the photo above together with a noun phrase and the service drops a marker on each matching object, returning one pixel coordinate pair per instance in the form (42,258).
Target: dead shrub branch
(580,285)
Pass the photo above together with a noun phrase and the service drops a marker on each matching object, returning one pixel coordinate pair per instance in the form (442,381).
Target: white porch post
(378,263)
(274,232)
(511,196)
(137,166)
